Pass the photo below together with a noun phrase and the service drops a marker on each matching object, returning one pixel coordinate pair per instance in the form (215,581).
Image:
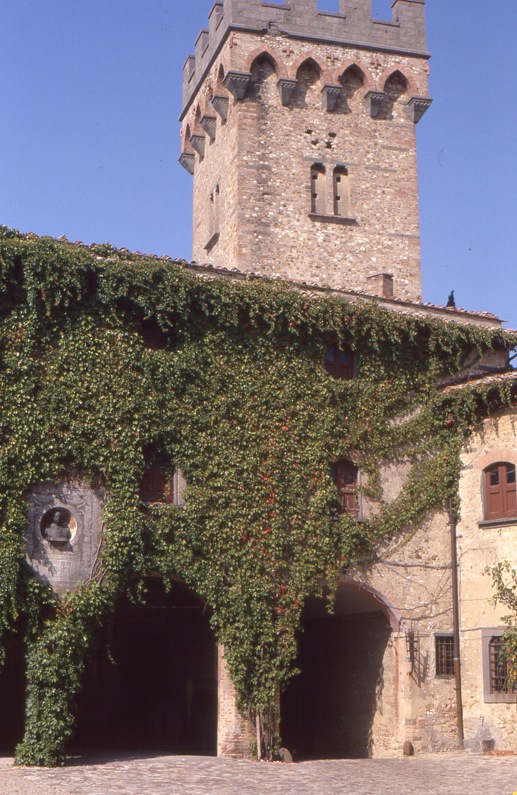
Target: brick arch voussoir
(501,455)
(280,67)
(369,82)
(326,74)
(218,84)
(412,89)
(393,615)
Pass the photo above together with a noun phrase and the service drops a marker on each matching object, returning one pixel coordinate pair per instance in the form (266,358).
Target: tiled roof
(401,305)
(484,380)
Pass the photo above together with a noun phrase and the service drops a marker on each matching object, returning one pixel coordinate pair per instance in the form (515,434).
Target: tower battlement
(352,25)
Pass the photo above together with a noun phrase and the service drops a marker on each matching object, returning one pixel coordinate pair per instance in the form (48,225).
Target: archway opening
(329,710)
(152,682)
(12,694)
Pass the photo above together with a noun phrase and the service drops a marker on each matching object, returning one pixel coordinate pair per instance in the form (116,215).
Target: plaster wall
(481,545)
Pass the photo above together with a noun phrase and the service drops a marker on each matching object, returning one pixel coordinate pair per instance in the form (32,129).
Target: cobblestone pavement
(444,774)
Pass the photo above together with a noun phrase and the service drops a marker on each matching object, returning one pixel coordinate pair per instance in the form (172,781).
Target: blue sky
(89,137)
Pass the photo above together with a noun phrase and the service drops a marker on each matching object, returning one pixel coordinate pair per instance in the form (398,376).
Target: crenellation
(353,26)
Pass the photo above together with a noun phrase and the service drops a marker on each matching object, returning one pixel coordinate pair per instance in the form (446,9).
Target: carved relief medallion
(64,533)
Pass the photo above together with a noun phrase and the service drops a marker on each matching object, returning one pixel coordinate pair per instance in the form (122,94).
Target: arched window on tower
(500,491)
(318,200)
(341,191)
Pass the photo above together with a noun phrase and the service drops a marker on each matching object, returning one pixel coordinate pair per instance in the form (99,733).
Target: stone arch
(368,81)
(398,70)
(309,81)
(162,691)
(272,55)
(312,58)
(396,87)
(354,82)
(221,74)
(197,117)
(392,614)
(262,87)
(344,702)
(187,133)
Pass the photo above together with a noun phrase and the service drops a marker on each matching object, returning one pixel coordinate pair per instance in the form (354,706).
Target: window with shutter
(345,476)
(500,493)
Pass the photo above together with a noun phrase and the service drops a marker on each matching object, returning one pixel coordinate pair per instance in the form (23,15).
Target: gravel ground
(444,774)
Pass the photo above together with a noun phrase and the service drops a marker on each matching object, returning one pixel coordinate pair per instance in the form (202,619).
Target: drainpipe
(453,521)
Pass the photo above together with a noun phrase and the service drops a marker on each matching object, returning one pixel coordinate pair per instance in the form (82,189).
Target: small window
(213,218)
(345,477)
(500,494)
(318,189)
(157,483)
(444,647)
(339,362)
(499,667)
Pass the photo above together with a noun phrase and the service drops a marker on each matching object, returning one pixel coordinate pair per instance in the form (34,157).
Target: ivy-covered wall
(104,353)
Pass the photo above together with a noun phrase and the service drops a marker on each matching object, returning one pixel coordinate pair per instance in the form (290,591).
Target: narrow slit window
(318,189)
(340,190)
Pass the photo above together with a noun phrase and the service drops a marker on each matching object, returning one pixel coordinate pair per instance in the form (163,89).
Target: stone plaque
(64,533)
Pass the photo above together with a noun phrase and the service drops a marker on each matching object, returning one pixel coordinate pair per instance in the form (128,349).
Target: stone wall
(253,203)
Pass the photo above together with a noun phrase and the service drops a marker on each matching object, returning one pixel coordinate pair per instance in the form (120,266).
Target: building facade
(298,126)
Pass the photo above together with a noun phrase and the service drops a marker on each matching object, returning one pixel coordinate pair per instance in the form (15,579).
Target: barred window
(499,667)
(444,645)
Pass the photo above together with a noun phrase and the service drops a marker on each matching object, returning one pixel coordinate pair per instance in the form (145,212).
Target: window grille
(444,655)
(499,667)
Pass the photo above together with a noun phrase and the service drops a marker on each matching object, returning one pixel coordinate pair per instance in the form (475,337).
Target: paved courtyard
(445,774)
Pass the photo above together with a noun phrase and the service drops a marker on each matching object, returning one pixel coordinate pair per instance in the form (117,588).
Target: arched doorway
(158,692)
(347,677)
(12,694)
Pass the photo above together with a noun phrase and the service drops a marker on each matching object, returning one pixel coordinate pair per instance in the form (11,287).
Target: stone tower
(299,127)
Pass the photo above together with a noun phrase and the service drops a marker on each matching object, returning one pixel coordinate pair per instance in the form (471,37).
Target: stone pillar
(234,735)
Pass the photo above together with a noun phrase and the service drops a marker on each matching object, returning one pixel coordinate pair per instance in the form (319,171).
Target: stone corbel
(417,107)
(374,100)
(208,123)
(187,160)
(286,88)
(197,142)
(220,105)
(237,83)
(330,95)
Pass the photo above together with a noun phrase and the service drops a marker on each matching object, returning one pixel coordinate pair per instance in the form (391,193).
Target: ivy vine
(103,353)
